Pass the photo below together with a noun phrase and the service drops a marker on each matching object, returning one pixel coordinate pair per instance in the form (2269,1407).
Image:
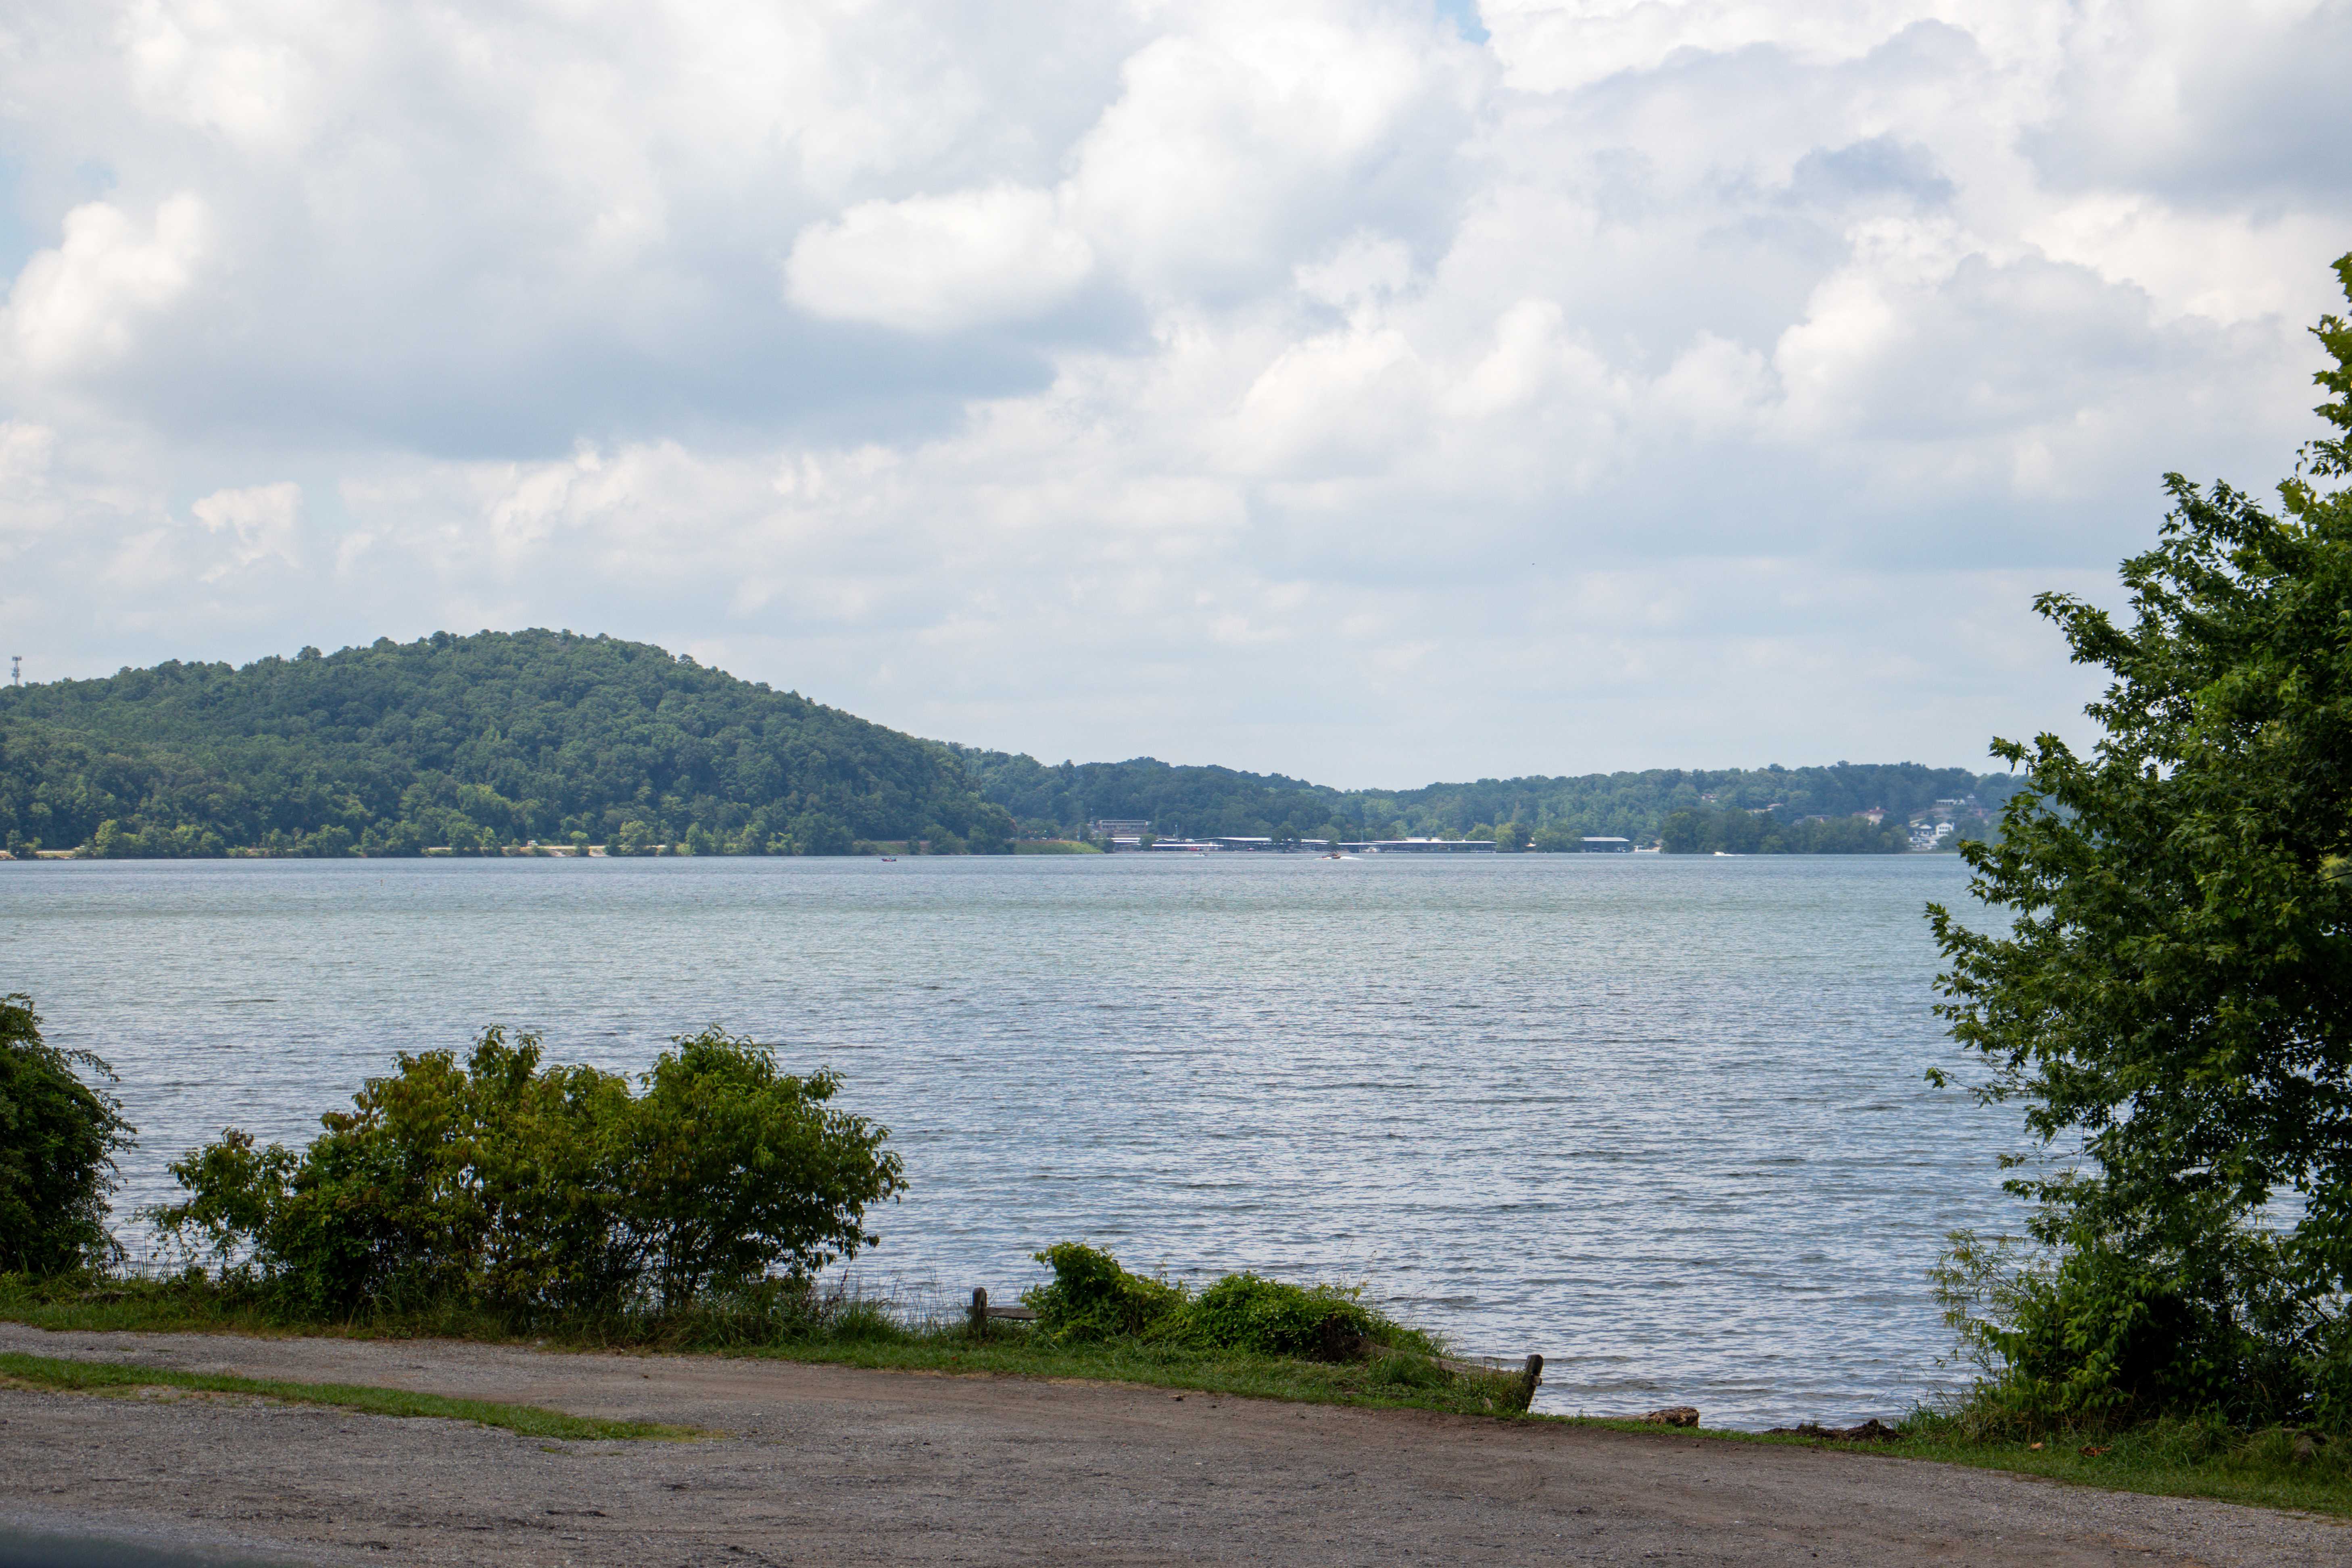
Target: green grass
(1375,1384)
(854,1333)
(2164,1459)
(2158,1459)
(528,1420)
(1053,847)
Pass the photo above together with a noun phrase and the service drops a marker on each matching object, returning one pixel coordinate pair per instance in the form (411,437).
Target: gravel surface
(828,1465)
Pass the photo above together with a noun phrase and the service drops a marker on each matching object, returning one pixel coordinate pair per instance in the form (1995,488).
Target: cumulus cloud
(1307,386)
(78,307)
(256,524)
(938,264)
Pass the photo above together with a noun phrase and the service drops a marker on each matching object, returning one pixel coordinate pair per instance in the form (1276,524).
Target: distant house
(1605,845)
(1875,816)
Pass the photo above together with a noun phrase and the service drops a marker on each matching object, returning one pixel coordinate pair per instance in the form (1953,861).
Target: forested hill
(491,740)
(1727,808)
(471,742)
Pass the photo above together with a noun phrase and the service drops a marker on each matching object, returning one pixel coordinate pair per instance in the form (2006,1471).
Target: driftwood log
(982,1311)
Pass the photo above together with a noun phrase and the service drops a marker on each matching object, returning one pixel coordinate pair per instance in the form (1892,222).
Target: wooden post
(978,1312)
(1530,1376)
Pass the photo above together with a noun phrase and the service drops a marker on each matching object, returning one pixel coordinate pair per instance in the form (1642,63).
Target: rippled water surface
(1661,1119)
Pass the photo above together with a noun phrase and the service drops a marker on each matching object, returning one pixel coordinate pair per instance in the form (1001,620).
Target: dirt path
(825,1465)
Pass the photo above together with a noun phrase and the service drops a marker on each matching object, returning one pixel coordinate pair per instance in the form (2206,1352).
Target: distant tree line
(1739,832)
(1762,810)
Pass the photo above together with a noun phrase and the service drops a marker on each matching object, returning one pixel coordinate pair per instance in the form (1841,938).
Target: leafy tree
(58,1139)
(501,1183)
(732,1166)
(2174,991)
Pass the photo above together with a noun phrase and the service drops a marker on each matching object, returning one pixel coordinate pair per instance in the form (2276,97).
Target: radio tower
(15,669)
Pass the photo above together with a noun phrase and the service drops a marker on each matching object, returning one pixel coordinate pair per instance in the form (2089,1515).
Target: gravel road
(827,1465)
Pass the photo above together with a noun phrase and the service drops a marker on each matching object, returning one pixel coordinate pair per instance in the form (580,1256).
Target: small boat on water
(889,857)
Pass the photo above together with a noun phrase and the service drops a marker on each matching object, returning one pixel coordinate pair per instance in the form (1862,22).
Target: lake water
(1661,1119)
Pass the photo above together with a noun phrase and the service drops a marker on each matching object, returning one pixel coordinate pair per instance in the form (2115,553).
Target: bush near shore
(58,1135)
(499,1184)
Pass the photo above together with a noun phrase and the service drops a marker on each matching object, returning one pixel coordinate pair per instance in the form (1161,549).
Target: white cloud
(80,307)
(939,263)
(255,524)
(1295,385)
(209,68)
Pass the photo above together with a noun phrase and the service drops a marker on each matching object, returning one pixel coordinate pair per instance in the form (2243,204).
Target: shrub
(1269,1317)
(58,1139)
(1092,1298)
(2097,1330)
(502,1185)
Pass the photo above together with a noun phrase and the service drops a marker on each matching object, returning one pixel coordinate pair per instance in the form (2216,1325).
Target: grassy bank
(113,1377)
(2272,1469)
(848,1332)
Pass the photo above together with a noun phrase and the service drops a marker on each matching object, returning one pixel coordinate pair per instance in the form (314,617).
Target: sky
(1371,391)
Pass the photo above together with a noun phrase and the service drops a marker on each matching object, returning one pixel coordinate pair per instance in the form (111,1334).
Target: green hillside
(1749,809)
(470,742)
(482,742)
